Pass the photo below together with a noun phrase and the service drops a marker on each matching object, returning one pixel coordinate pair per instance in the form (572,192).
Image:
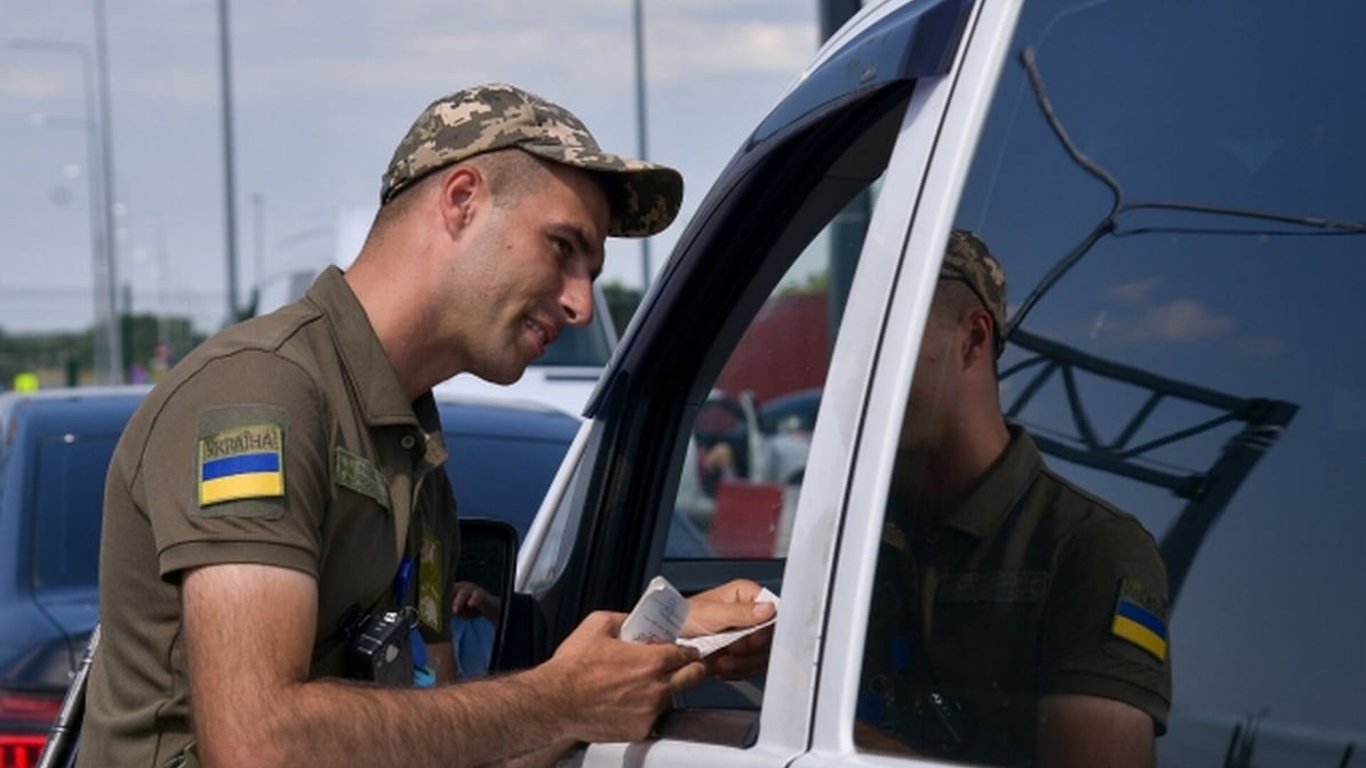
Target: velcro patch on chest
(993,587)
(1141,618)
(357,473)
(244,461)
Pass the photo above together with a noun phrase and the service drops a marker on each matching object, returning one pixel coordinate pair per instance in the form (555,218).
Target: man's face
(530,270)
(933,387)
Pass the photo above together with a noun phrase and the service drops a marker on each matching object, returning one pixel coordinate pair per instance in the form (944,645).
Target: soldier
(284,482)
(1017,619)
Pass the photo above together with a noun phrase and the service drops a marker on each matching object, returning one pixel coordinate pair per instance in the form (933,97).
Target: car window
(1174,194)
(68,495)
(746,459)
(502,477)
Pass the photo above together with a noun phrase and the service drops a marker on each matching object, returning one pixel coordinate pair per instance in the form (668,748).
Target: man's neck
(929,484)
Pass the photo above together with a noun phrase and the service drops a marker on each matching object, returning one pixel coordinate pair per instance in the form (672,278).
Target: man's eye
(562,247)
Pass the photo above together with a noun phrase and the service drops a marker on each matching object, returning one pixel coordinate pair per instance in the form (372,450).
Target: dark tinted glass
(69,495)
(500,477)
(1204,180)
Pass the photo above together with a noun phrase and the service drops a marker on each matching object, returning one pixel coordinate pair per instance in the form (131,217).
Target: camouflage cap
(644,197)
(968,259)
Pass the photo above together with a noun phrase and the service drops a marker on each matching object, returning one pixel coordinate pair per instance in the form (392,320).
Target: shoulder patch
(1141,618)
(356,473)
(241,454)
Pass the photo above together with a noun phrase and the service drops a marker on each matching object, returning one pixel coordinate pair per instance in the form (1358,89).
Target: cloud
(1183,321)
(688,49)
(1135,291)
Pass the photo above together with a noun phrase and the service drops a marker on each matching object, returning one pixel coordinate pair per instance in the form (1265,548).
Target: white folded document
(660,613)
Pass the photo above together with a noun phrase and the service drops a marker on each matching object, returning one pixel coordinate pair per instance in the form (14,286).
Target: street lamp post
(108,356)
(642,148)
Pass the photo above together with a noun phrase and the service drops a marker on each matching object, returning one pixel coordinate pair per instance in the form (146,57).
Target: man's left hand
(732,606)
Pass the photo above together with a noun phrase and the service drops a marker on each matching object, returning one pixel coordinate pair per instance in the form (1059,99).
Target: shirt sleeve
(1104,630)
(235,467)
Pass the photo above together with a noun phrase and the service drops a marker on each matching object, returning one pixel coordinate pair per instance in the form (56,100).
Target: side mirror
(488,559)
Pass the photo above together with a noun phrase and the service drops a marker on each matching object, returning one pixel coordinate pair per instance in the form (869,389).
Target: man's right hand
(618,689)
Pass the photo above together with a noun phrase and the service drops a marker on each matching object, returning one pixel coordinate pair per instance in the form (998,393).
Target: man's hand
(732,606)
(614,690)
(472,601)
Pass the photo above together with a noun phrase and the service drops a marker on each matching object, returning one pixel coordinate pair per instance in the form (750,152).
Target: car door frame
(961,102)
(785,725)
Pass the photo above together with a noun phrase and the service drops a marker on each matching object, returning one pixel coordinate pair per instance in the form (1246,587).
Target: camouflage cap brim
(644,198)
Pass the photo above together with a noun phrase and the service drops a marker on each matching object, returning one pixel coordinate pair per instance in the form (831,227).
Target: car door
(1174,194)
(1174,191)
(850,141)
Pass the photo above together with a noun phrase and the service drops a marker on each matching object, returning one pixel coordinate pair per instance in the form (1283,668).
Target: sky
(322,94)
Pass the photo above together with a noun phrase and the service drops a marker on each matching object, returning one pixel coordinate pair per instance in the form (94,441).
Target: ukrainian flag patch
(1140,619)
(241,462)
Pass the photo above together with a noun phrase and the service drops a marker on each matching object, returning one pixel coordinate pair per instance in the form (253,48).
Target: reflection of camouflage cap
(644,197)
(968,259)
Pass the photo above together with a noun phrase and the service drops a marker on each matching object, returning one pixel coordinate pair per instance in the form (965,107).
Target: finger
(741,590)
(688,676)
(604,622)
(714,617)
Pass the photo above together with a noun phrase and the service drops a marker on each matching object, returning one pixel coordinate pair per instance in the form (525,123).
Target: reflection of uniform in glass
(1015,618)
(1013,595)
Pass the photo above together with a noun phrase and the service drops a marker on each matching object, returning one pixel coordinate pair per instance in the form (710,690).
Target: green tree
(622,302)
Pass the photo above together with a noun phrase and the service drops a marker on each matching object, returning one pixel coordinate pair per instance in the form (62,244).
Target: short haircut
(509,174)
(955,301)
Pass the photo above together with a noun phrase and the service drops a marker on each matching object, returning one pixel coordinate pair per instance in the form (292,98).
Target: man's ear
(980,342)
(460,189)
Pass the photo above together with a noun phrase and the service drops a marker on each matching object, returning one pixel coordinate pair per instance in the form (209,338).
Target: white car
(1175,191)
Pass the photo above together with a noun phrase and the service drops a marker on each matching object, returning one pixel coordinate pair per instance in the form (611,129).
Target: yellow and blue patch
(1139,619)
(243,462)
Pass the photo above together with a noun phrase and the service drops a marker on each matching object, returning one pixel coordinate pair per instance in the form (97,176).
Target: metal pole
(111,283)
(851,225)
(107,354)
(641,143)
(229,176)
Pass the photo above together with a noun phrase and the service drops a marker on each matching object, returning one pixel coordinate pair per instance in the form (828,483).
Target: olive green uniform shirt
(284,441)
(1029,587)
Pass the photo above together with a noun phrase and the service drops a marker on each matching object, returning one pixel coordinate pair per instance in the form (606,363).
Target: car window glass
(1174,194)
(502,477)
(746,460)
(68,509)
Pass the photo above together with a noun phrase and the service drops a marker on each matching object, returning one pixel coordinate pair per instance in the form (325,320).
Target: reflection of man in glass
(1016,619)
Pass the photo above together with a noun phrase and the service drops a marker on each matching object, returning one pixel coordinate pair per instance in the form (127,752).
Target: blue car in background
(55,447)
(54,450)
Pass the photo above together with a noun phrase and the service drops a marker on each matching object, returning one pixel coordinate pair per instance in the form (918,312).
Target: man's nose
(577,299)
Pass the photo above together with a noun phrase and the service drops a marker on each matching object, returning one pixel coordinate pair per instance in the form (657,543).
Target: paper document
(709,644)
(658,616)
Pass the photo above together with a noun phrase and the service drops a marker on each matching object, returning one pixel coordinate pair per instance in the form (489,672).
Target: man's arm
(1077,731)
(248,638)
